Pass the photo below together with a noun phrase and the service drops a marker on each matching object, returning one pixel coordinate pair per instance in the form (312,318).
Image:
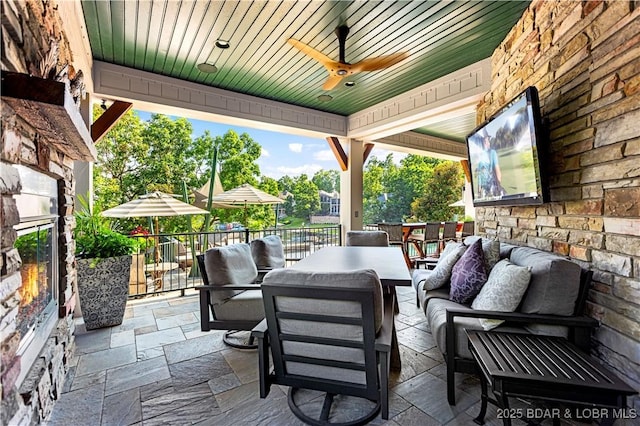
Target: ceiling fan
(341,69)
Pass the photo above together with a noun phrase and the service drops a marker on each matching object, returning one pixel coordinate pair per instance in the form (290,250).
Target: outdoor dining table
(387,262)
(407,230)
(157,271)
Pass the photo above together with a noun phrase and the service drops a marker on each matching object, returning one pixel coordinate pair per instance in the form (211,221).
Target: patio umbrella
(202,195)
(153,205)
(244,195)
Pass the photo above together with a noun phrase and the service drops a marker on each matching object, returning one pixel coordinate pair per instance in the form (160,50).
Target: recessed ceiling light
(350,83)
(325,98)
(222,44)
(207,68)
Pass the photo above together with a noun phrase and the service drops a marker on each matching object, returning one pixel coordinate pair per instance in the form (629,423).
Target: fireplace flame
(29,289)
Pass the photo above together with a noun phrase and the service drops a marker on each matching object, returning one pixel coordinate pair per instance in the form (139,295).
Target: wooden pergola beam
(367,150)
(108,119)
(467,169)
(339,153)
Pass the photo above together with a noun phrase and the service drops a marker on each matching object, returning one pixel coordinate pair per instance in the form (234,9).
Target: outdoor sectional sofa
(552,304)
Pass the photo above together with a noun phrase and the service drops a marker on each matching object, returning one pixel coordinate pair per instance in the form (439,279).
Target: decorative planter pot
(103,287)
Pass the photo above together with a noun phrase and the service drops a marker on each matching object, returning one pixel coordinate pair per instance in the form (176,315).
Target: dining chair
(327,332)
(367,238)
(268,254)
(230,298)
(468,228)
(449,232)
(428,238)
(394,233)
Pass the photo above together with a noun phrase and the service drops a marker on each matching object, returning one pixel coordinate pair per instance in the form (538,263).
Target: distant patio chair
(327,332)
(449,232)
(429,238)
(268,254)
(230,299)
(367,238)
(468,228)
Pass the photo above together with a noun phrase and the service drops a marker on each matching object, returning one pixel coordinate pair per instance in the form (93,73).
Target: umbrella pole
(157,242)
(214,162)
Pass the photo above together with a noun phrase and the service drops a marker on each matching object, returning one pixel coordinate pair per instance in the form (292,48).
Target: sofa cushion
(468,275)
(555,282)
(437,320)
(503,291)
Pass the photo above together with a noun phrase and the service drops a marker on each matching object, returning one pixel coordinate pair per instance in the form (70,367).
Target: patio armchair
(268,254)
(327,332)
(367,238)
(230,298)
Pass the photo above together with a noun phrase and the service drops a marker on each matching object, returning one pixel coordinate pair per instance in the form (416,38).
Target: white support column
(82,170)
(351,188)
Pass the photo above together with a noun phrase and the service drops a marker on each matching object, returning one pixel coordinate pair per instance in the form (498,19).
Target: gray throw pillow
(491,249)
(442,272)
(503,291)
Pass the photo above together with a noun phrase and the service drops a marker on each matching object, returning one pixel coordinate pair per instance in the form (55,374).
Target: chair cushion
(268,252)
(363,278)
(440,275)
(555,282)
(503,291)
(367,238)
(246,305)
(231,264)
(468,275)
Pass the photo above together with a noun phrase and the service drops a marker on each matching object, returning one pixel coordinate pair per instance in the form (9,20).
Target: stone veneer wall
(28,27)
(584,58)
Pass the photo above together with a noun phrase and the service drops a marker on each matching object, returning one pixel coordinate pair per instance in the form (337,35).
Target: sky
(282,154)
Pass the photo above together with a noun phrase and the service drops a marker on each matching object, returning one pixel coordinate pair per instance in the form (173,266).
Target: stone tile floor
(158,368)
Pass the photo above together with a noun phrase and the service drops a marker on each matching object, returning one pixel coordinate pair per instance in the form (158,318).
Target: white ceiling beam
(418,143)
(448,97)
(166,95)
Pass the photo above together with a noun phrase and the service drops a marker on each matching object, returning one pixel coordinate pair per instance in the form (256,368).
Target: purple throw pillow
(469,275)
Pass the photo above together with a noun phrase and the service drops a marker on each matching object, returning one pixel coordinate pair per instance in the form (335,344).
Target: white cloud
(264,153)
(308,169)
(295,147)
(324,155)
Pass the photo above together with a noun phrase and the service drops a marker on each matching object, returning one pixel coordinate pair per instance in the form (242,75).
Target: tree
(444,188)
(120,155)
(327,180)
(306,197)
(374,191)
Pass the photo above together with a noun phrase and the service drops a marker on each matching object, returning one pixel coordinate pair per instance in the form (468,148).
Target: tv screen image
(504,155)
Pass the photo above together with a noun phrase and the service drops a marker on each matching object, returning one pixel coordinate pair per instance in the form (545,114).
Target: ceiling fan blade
(310,51)
(331,82)
(381,62)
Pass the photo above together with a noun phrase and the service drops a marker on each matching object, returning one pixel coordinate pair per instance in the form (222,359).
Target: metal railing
(166,262)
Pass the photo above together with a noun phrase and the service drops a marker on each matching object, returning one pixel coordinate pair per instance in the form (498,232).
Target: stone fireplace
(36,242)
(43,136)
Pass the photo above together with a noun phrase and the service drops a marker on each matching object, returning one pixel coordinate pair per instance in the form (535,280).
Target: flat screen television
(504,155)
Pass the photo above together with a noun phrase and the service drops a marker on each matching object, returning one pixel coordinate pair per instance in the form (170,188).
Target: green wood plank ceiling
(172,37)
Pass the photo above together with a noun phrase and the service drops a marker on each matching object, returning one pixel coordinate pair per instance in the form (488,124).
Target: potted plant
(104,262)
